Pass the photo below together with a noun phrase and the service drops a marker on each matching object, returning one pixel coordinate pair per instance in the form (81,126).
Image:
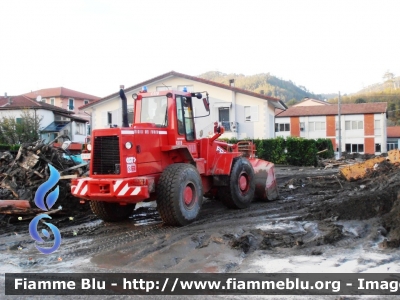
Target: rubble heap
(21,176)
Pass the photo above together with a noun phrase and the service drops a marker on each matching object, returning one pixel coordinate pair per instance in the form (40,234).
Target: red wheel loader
(159,158)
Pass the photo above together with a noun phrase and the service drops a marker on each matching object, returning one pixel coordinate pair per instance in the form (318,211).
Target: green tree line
(266,84)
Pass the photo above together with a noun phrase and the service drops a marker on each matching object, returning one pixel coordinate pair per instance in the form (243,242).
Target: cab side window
(179,113)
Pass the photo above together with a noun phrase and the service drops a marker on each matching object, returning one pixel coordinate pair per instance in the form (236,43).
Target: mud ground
(320,224)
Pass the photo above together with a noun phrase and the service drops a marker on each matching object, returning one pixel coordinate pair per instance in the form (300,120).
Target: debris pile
(21,176)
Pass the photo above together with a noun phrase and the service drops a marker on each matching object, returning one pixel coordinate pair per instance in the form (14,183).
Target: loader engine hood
(125,152)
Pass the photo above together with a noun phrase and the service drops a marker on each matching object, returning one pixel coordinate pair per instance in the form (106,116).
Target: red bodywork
(133,173)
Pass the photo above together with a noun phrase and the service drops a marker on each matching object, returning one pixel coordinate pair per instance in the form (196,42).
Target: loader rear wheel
(240,191)
(111,212)
(179,194)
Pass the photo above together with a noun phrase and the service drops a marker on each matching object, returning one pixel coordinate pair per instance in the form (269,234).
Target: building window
(377,147)
(223,117)
(130,114)
(353,125)
(163,88)
(282,127)
(52,101)
(352,148)
(85,102)
(70,104)
(320,126)
(44,100)
(251,113)
(18,120)
(247,114)
(80,128)
(302,126)
(391,146)
(378,125)
(316,126)
(109,118)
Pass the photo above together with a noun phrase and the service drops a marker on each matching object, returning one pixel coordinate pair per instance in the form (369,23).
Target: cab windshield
(154,110)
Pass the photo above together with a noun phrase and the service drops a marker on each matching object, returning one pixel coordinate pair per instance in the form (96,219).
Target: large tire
(179,194)
(240,191)
(111,212)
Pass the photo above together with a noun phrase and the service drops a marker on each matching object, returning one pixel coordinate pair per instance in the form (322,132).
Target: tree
(360,100)
(389,79)
(388,76)
(24,129)
(291,102)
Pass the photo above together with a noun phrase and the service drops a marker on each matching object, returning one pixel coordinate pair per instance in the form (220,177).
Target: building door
(223,114)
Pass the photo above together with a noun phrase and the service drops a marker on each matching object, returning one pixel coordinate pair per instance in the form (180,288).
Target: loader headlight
(89,147)
(128,145)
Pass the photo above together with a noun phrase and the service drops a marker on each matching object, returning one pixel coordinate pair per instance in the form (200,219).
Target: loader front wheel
(111,212)
(179,194)
(240,191)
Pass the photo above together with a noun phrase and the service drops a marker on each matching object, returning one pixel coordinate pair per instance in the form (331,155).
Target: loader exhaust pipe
(124,108)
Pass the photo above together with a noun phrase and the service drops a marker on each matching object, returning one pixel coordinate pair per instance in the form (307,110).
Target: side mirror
(206,104)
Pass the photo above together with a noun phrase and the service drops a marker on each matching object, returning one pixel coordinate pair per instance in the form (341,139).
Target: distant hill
(265,84)
(386,86)
(387,91)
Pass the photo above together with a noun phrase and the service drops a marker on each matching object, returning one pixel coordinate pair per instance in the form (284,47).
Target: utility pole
(339,129)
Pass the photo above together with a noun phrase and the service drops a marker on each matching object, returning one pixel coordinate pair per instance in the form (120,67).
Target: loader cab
(172,110)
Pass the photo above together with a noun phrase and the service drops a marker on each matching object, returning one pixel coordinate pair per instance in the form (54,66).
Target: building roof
(23,102)
(311,101)
(55,126)
(60,92)
(326,110)
(276,102)
(74,117)
(393,132)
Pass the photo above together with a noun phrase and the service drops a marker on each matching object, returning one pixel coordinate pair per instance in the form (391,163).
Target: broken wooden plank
(69,176)
(15,203)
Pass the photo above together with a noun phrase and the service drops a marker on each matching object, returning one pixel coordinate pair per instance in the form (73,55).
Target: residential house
(54,120)
(244,114)
(64,98)
(393,137)
(362,126)
(311,102)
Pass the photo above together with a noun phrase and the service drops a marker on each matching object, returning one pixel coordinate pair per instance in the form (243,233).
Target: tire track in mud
(215,216)
(113,239)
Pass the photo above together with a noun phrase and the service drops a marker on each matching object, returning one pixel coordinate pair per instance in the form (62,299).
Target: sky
(94,46)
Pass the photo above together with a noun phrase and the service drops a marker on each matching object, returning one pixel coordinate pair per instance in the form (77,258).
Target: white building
(244,114)
(54,120)
(363,125)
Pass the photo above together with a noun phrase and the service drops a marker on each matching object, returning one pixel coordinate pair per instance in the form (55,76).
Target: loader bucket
(266,186)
